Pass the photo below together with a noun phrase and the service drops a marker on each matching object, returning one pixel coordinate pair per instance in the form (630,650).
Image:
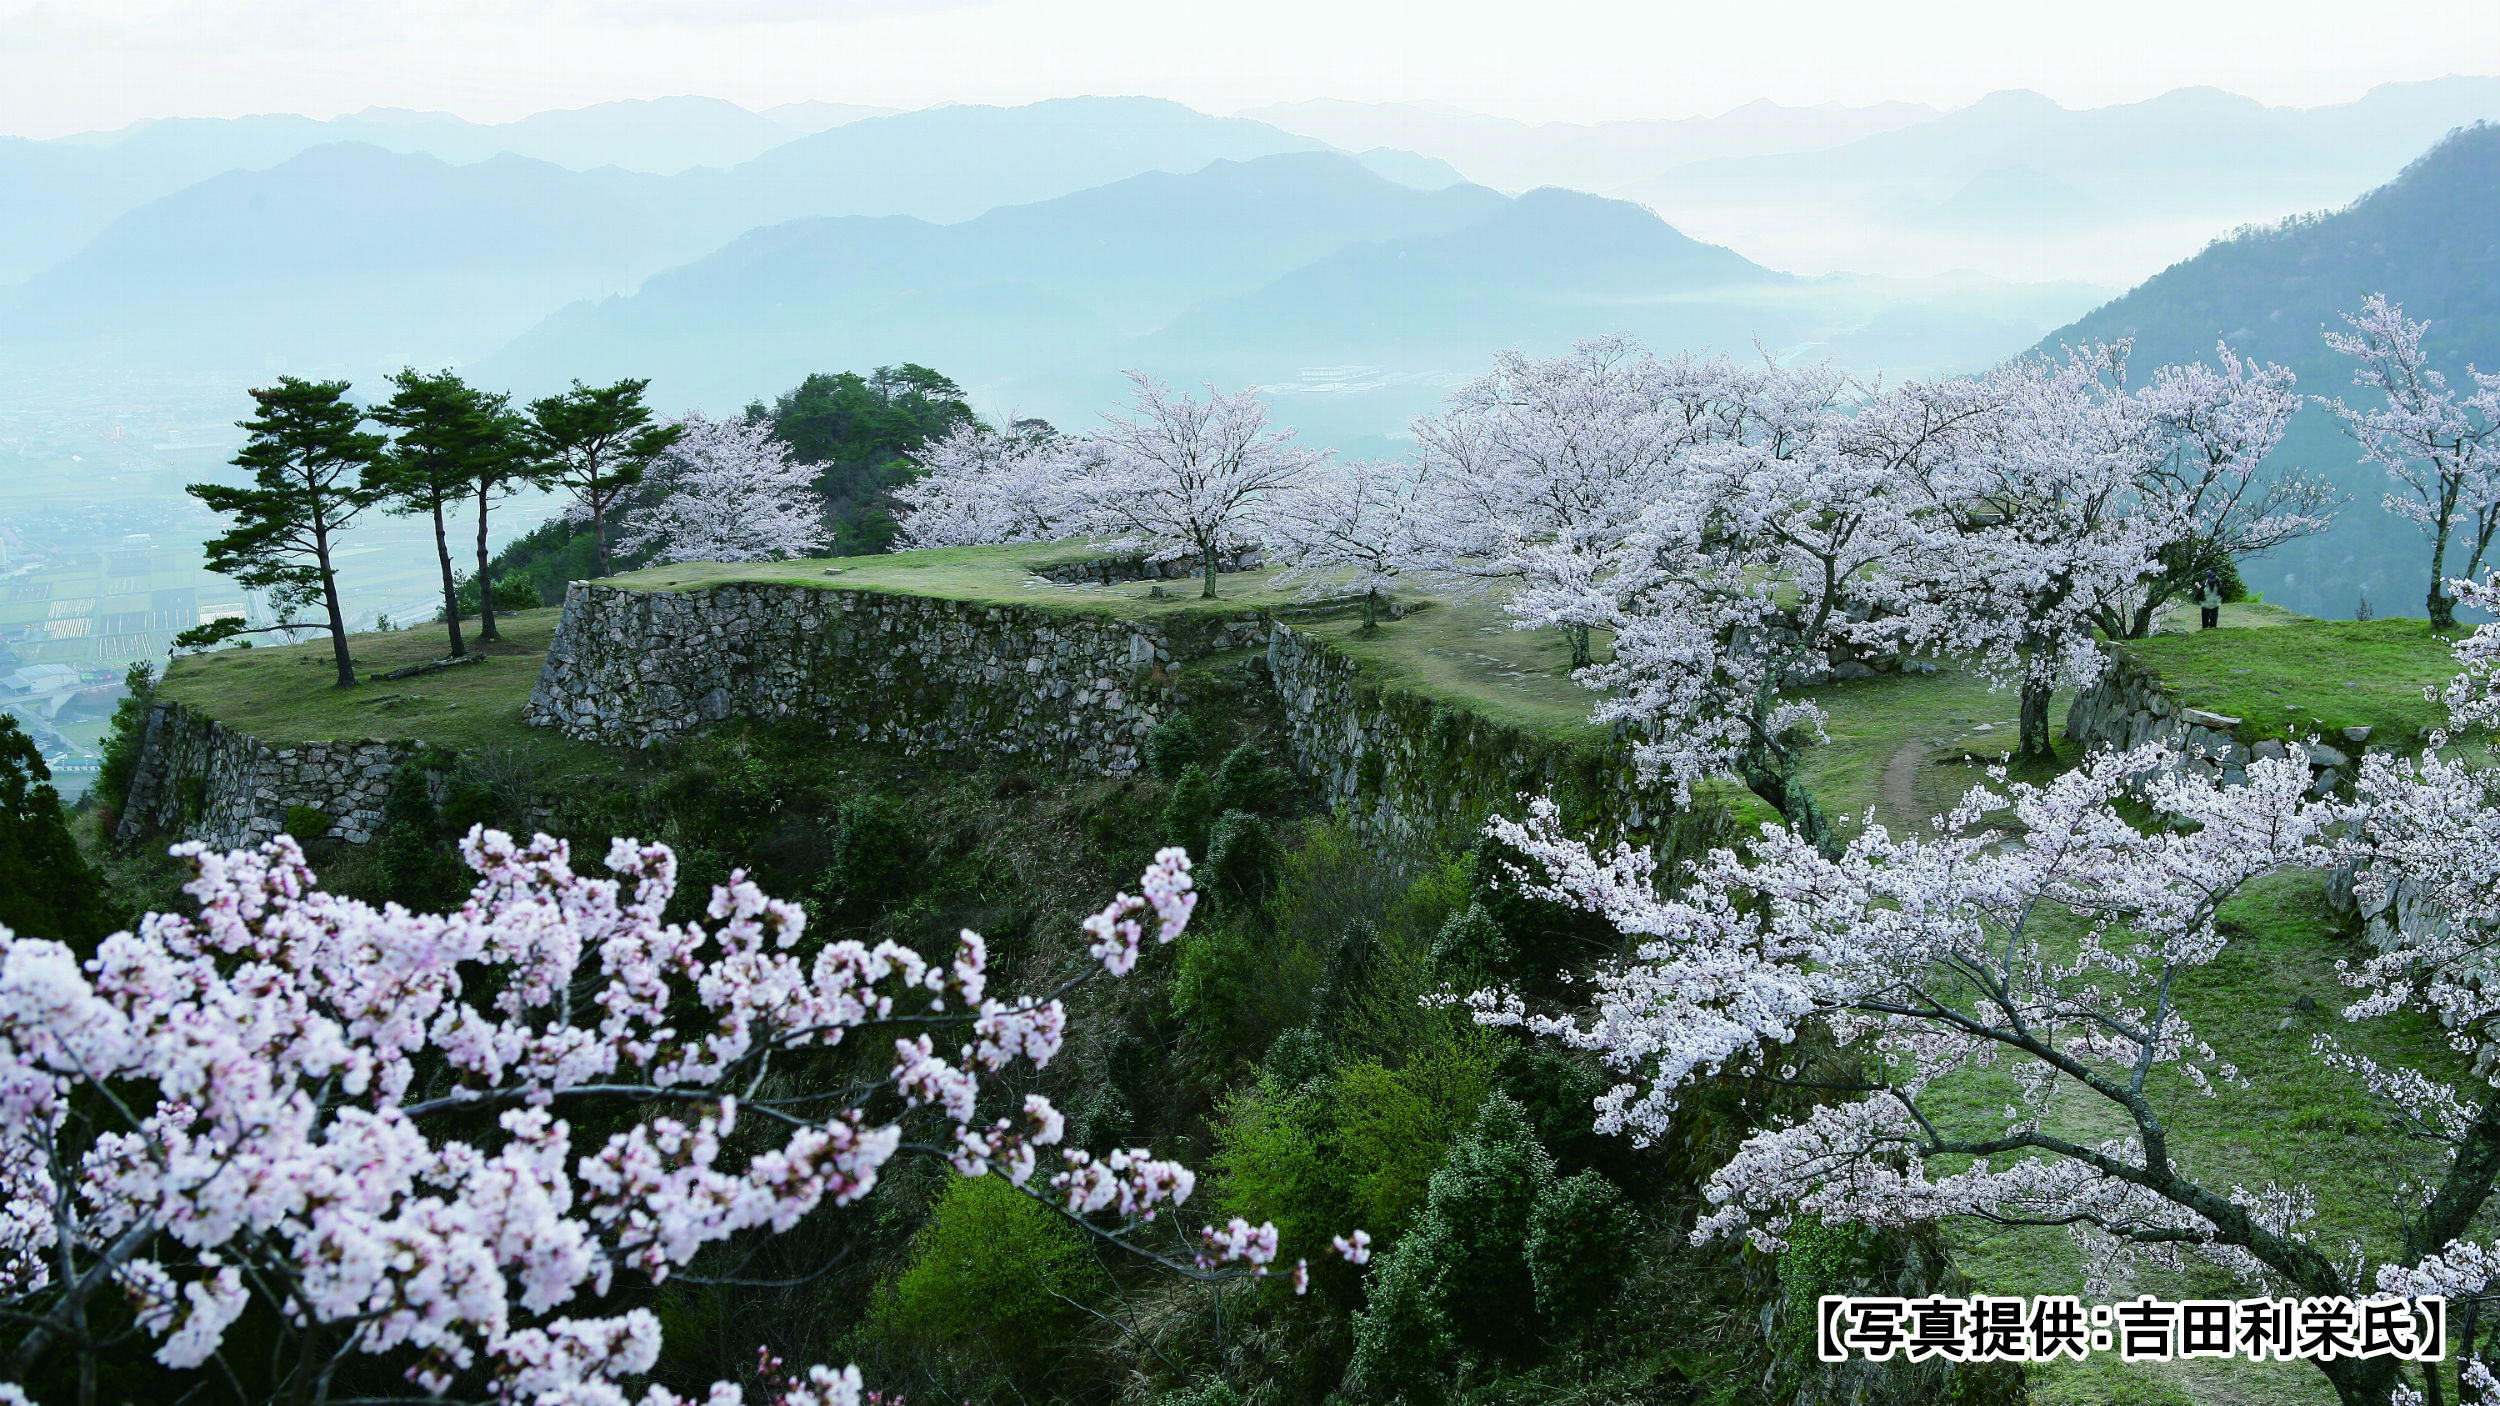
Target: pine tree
(309,455)
(598,442)
(451,438)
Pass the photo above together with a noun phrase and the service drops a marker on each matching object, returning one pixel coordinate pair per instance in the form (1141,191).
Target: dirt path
(1900,808)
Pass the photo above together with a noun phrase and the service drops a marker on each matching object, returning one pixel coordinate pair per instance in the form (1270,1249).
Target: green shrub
(1397,1125)
(1237,984)
(1245,781)
(1172,744)
(47,888)
(1469,945)
(876,850)
(986,1271)
(1242,858)
(121,745)
(1463,1277)
(1579,1243)
(1190,811)
(1352,980)
(306,823)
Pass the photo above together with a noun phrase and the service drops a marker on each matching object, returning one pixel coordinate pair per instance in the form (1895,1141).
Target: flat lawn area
(994,575)
(284,694)
(2309,676)
(1456,647)
(1460,649)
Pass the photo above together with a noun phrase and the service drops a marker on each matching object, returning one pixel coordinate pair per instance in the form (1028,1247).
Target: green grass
(991,575)
(285,694)
(1459,649)
(2309,676)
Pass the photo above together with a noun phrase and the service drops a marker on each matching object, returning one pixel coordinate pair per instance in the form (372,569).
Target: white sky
(72,65)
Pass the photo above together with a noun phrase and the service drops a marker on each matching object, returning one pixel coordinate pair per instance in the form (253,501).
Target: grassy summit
(2303,676)
(1455,649)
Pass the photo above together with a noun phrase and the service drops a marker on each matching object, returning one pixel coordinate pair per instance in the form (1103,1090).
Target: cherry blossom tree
(978,486)
(1351,525)
(1541,467)
(2037,526)
(2055,947)
(726,490)
(1179,475)
(370,1125)
(2438,446)
(1764,554)
(2207,432)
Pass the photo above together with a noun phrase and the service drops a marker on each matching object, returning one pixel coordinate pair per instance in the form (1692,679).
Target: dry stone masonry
(203,780)
(1058,686)
(2129,708)
(925,675)
(1415,772)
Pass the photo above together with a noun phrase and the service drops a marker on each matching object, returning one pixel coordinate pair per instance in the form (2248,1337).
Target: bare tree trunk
(1207,560)
(1770,771)
(485,582)
(451,593)
(2443,607)
(330,601)
(2034,744)
(599,535)
(1582,655)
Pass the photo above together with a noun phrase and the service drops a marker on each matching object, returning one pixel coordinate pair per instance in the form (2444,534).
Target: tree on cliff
(1764,555)
(2037,524)
(453,440)
(1351,524)
(2444,450)
(1185,475)
(596,443)
(2207,434)
(308,454)
(726,491)
(2045,934)
(1539,467)
(46,885)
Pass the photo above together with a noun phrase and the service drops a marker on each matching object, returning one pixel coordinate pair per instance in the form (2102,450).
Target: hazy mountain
(817,116)
(952,163)
(943,164)
(1550,264)
(2021,187)
(2429,239)
(1601,156)
(346,256)
(63,192)
(1019,288)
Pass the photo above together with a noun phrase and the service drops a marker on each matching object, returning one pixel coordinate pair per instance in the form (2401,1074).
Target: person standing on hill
(2209,599)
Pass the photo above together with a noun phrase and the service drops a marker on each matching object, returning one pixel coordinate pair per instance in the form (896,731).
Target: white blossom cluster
(250,1105)
(727,490)
(2046,933)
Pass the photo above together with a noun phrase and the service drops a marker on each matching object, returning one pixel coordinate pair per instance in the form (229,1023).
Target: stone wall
(203,780)
(2129,708)
(1420,773)
(924,675)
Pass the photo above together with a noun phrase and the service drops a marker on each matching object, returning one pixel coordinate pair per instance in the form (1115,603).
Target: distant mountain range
(62,193)
(945,164)
(347,253)
(2018,186)
(1600,156)
(2429,239)
(1358,301)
